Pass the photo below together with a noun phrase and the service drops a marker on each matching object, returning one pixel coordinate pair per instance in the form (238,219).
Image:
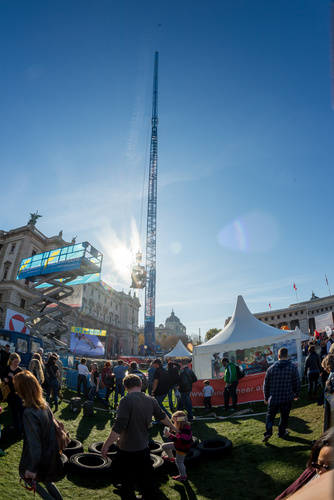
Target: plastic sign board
(15,321)
(88,331)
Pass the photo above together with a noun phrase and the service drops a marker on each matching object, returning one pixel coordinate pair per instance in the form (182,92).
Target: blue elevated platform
(80,259)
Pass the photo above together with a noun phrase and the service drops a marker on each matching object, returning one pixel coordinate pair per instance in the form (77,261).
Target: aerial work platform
(54,273)
(74,260)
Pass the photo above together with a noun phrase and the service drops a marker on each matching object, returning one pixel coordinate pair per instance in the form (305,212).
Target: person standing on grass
(40,459)
(119,372)
(160,384)
(95,385)
(312,369)
(186,380)
(207,393)
(132,463)
(231,384)
(281,386)
(83,373)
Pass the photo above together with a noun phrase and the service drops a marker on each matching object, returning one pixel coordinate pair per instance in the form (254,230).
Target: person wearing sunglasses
(321,461)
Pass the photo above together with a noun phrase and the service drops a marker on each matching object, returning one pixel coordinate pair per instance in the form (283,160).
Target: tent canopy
(179,351)
(243,331)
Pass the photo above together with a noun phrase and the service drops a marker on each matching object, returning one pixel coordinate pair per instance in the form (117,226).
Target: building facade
(103,308)
(305,315)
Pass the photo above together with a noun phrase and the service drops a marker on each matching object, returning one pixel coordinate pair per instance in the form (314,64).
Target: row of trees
(168,342)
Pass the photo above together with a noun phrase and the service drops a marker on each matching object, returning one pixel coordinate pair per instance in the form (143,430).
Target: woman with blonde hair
(36,369)
(13,400)
(40,459)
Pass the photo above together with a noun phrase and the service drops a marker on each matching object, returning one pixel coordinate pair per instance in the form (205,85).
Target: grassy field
(254,470)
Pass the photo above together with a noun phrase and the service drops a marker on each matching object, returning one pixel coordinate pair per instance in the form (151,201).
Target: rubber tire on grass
(157,462)
(64,461)
(194,442)
(215,447)
(89,464)
(155,447)
(97,447)
(73,447)
(192,456)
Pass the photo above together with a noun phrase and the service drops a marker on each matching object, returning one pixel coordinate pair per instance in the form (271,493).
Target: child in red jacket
(180,442)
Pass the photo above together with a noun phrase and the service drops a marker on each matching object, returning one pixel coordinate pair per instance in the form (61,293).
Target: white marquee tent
(179,351)
(243,331)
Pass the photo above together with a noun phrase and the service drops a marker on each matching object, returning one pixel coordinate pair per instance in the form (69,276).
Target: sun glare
(122,260)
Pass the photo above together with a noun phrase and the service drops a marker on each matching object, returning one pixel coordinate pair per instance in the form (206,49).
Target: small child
(207,392)
(2,453)
(181,443)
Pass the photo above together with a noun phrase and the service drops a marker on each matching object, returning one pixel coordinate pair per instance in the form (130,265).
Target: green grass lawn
(253,470)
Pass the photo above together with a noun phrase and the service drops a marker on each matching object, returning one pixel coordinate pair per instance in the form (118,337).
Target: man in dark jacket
(160,384)
(186,379)
(312,370)
(134,370)
(281,387)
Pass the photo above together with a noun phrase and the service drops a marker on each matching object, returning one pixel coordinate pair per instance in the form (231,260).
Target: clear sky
(245,142)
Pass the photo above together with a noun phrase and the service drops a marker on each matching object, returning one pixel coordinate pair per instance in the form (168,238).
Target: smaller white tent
(179,351)
(244,331)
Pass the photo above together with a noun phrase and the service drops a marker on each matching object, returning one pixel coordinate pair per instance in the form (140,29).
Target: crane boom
(149,327)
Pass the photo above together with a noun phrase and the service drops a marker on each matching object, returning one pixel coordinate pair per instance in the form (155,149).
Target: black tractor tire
(155,447)
(97,447)
(157,462)
(215,447)
(194,442)
(73,447)
(89,464)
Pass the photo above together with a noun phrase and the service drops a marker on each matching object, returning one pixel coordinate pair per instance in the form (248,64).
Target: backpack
(240,372)
(63,437)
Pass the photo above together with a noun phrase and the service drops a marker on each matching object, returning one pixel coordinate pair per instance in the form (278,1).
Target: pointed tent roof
(244,329)
(179,351)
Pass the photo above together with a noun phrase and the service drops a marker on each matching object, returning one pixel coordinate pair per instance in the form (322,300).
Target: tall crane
(149,326)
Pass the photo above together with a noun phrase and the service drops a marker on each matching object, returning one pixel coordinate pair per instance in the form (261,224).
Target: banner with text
(249,389)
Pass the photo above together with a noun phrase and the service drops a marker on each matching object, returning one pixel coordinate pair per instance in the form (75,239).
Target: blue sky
(245,142)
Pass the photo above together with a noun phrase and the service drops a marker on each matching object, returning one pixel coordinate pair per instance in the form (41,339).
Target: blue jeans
(185,402)
(273,409)
(119,388)
(52,384)
(93,393)
(160,400)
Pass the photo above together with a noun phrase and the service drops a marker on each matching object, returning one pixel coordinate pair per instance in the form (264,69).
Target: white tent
(243,331)
(179,351)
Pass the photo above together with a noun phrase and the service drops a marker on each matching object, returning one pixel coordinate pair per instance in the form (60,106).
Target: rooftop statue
(33,218)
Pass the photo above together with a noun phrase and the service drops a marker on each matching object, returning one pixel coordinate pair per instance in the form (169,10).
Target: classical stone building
(103,308)
(303,315)
(173,326)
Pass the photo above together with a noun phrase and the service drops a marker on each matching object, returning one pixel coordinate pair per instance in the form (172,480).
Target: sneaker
(180,478)
(2,453)
(167,459)
(286,433)
(266,438)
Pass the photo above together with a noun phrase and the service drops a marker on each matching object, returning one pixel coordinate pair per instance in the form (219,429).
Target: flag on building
(294,286)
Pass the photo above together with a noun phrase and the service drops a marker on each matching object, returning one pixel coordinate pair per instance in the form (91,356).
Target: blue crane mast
(149,326)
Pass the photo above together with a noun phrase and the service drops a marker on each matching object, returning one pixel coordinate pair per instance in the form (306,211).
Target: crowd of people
(142,398)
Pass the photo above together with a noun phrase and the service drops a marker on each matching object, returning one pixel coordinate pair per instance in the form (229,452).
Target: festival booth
(249,343)
(179,351)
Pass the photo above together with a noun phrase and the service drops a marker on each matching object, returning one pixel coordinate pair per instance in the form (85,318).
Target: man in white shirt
(82,377)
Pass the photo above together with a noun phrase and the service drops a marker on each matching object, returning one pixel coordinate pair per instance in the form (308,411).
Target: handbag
(4,391)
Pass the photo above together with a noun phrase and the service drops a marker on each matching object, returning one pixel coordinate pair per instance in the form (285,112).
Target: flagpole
(328,285)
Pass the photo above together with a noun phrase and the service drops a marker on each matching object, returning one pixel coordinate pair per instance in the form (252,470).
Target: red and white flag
(294,286)
(270,306)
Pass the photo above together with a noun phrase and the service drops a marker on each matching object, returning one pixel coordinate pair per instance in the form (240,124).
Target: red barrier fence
(250,389)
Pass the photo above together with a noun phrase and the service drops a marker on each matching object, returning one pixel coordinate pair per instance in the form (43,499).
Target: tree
(211,333)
